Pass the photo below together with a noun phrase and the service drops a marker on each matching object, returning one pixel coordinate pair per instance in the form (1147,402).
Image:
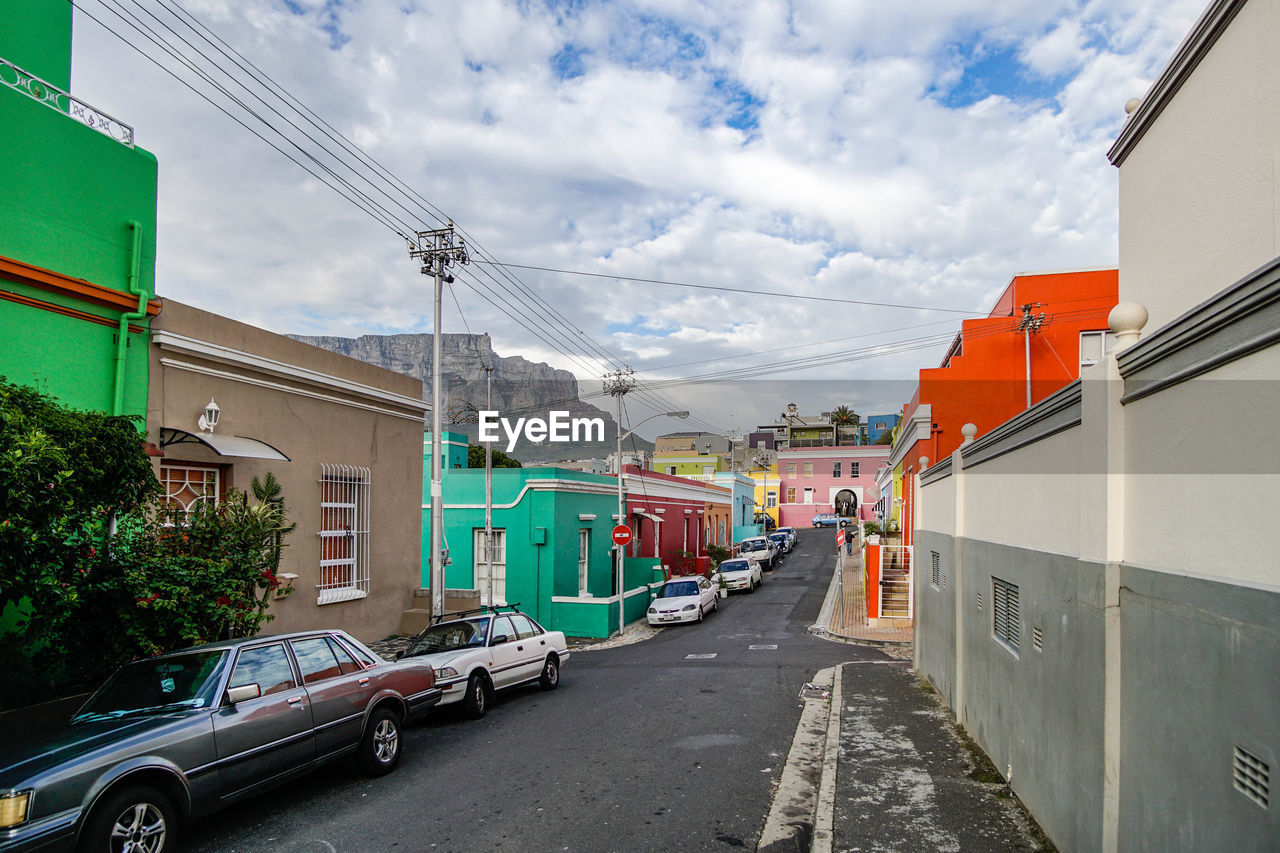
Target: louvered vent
(1037,639)
(1005,624)
(935,562)
(1251,776)
(979,601)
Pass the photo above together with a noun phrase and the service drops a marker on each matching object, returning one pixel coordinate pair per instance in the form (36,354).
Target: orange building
(1042,330)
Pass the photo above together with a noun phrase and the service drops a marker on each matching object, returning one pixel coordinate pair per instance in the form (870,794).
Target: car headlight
(653,610)
(13,809)
(688,607)
(446,672)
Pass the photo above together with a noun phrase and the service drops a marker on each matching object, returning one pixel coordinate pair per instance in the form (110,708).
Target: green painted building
(78,231)
(553,554)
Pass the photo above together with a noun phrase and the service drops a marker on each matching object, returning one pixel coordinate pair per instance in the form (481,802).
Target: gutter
(122,331)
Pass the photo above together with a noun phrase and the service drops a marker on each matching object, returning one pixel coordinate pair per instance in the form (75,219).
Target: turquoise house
(553,552)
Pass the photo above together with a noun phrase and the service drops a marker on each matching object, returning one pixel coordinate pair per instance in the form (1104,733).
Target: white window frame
(770,499)
(479,567)
(854,468)
(808,470)
(836,469)
(584,559)
(346,515)
(1108,340)
(791,494)
(172,499)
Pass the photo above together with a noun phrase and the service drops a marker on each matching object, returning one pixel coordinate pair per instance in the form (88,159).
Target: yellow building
(766,493)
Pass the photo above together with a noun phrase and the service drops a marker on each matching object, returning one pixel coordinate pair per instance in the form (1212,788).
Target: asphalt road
(641,748)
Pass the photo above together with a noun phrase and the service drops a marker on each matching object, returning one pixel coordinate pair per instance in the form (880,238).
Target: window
(480,568)
(791,469)
(584,549)
(502,627)
(266,666)
(935,561)
(771,499)
(671,469)
(808,469)
(344,533)
(835,470)
(854,467)
(1005,624)
(791,494)
(1093,346)
(317,661)
(524,626)
(185,485)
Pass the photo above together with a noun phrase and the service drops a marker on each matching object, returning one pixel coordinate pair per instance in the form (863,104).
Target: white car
(480,651)
(791,534)
(761,549)
(741,574)
(683,599)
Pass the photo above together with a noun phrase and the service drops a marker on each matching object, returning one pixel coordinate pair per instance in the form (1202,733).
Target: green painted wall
(36,36)
(69,194)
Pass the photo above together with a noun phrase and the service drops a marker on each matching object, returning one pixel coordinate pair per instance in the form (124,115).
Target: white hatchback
(683,599)
(741,574)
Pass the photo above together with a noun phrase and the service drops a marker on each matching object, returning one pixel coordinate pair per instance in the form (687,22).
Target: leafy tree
(885,437)
(475,458)
(843,416)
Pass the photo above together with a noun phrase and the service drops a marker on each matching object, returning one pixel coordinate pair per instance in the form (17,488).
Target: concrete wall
(1198,187)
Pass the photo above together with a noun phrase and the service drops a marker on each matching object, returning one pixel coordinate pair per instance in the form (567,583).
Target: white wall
(1198,193)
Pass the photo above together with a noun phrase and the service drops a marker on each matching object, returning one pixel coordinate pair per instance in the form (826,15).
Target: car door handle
(296,701)
(364,681)
(519,648)
(543,642)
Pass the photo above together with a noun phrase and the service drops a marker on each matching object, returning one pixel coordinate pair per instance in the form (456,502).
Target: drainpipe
(122,332)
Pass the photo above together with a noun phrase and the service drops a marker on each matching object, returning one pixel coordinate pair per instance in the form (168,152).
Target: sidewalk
(844,614)
(877,764)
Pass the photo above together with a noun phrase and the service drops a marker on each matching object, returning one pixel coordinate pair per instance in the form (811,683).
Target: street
(641,748)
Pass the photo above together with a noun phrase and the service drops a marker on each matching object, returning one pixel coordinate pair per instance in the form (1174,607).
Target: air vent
(1251,776)
(1005,616)
(1037,639)
(979,601)
(936,563)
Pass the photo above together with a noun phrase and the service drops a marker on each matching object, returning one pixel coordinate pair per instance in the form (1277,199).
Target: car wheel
(380,747)
(751,587)
(477,699)
(138,818)
(699,614)
(715,604)
(550,673)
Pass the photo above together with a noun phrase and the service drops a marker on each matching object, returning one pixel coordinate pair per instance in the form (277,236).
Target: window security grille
(185,486)
(344,533)
(1251,776)
(1004,612)
(935,561)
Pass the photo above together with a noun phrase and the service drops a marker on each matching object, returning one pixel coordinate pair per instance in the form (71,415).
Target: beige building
(343,437)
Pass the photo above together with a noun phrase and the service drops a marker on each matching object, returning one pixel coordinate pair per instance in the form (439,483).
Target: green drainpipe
(122,334)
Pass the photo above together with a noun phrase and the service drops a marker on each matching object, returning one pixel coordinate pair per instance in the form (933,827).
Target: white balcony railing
(55,99)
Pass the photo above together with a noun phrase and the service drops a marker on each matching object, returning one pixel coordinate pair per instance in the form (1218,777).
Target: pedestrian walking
(848,541)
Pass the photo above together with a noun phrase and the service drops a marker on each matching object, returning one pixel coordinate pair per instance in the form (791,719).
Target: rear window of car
(676,590)
(754,545)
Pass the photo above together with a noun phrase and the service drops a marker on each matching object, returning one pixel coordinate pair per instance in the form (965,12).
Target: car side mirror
(243,693)
(501,638)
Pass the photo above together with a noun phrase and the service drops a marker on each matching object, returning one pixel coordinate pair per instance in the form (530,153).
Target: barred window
(344,533)
(186,485)
(1004,613)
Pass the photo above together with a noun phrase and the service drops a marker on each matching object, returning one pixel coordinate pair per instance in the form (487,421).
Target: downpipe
(122,329)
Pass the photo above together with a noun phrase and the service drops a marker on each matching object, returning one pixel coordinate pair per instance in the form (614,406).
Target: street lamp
(622,605)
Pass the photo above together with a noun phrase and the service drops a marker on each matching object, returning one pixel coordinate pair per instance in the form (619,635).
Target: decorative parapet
(55,99)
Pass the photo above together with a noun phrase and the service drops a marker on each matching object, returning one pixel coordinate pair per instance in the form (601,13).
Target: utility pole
(438,249)
(488,487)
(617,384)
(1028,326)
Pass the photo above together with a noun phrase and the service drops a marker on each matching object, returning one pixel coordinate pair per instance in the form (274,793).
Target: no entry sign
(840,538)
(621,535)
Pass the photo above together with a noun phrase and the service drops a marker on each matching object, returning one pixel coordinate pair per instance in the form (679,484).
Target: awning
(223,445)
(647,515)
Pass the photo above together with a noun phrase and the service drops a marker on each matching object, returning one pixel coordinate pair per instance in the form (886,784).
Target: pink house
(839,480)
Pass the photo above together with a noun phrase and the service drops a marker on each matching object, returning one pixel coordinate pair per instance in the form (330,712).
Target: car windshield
(450,636)
(734,566)
(677,590)
(754,545)
(157,685)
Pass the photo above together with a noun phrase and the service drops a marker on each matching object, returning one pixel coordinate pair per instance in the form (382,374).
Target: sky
(918,154)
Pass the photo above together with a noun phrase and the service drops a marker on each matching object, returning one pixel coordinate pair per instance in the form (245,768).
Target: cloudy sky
(917,154)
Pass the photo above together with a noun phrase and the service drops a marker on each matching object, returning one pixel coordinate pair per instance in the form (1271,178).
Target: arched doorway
(846,504)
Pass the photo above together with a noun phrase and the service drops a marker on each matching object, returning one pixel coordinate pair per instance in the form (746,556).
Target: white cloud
(852,177)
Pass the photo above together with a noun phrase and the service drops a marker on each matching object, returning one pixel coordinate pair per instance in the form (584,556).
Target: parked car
(782,541)
(829,519)
(683,599)
(761,549)
(791,534)
(741,574)
(765,519)
(182,734)
(480,651)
